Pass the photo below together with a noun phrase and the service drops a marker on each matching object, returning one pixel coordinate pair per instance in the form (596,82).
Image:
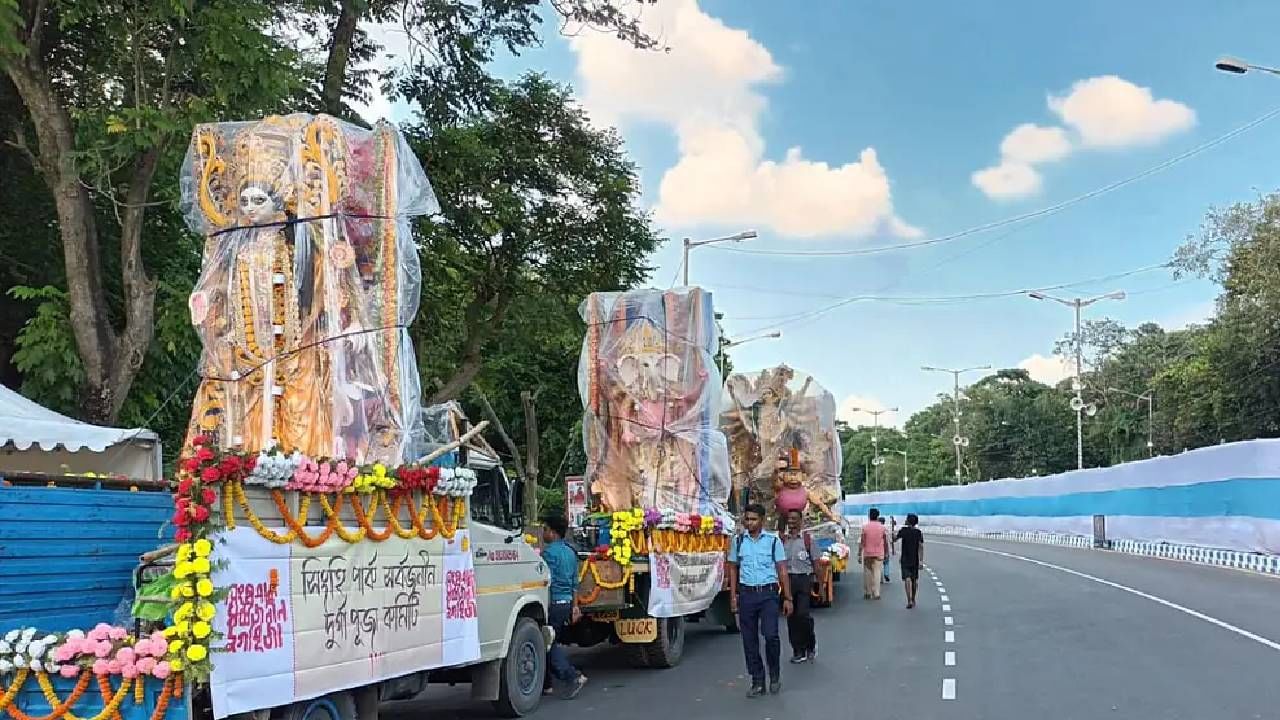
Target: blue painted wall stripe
(1244,497)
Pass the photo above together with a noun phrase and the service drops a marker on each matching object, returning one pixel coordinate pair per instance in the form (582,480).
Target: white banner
(684,583)
(302,622)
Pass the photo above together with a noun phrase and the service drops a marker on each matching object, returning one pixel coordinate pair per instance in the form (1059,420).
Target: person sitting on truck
(562,563)
(758,590)
(799,546)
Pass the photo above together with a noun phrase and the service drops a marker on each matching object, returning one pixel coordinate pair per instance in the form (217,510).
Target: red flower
(190,465)
(250,463)
(230,466)
(209,497)
(199,440)
(211,475)
(184,485)
(182,504)
(181,518)
(204,454)
(199,513)
(183,535)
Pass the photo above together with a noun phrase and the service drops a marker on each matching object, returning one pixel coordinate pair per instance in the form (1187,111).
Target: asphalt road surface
(1002,631)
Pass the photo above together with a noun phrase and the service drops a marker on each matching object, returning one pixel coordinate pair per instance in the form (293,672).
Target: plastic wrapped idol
(309,281)
(783,448)
(651,394)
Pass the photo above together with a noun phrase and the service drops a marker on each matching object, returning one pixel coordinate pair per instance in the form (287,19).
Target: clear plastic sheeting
(309,281)
(651,394)
(783,447)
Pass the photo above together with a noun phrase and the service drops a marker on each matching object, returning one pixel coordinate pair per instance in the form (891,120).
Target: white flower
(19,660)
(5,647)
(75,634)
(37,666)
(28,633)
(5,665)
(21,647)
(49,639)
(12,635)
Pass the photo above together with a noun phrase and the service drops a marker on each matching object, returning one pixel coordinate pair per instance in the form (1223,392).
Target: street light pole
(691,244)
(905,465)
(1077,402)
(1236,66)
(875,437)
(1147,397)
(957,440)
(726,344)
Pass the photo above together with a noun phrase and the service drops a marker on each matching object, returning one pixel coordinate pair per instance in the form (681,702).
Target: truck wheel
(337,706)
(666,651)
(523,671)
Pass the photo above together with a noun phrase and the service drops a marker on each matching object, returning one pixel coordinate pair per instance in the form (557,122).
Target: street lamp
(691,244)
(875,437)
(726,344)
(905,479)
(1236,66)
(958,440)
(1147,397)
(1077,402)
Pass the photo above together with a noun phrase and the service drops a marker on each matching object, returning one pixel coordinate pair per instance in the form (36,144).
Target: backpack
(737,547)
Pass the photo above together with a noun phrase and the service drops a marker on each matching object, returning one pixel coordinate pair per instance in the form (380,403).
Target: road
(1039,632)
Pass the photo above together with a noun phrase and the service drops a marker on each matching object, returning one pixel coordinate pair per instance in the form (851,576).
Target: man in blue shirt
(562,562)
(758,591)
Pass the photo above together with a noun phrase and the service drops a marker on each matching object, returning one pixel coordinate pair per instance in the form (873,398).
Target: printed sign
(576,500)
(684,583)
(298,623)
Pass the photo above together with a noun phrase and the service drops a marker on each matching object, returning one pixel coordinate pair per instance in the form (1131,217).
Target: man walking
(887,566)
(562,563)
(912,557)
(871,549)
(799,548)
(758,591)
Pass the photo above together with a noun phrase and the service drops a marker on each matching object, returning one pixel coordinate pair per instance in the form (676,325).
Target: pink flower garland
(324,477)
(107,651)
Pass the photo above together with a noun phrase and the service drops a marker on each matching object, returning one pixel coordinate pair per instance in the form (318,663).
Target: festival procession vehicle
(330,550)
(785,454)
(657,471)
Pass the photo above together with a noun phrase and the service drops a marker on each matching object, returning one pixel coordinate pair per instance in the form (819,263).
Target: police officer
(759,592)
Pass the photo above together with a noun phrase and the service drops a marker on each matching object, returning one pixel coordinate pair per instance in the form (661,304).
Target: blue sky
(761,116)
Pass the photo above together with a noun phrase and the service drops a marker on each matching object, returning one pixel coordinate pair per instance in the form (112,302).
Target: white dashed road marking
(949,689)
(951,636)
(949,659)
(946,607)
(948,621)
(944,598)
(1101,581)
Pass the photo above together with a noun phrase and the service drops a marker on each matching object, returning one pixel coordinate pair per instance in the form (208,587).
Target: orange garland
(298,524)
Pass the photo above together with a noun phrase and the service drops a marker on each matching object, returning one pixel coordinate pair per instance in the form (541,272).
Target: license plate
(636,630)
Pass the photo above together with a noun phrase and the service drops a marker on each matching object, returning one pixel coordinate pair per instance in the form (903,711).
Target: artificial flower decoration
(273,469)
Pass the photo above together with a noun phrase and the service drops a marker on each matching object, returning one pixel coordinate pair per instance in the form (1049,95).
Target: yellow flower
(205,611)
(175,592)
(182,569)
(184,611)
(184,552)
(201,630)
(182,627)
(175,646)
(201,566)
(175,665)
(170,631)
(196,653)
(204,587)
(188,591)
(379,470)
(203,547)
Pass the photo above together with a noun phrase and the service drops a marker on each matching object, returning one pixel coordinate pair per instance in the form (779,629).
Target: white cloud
(1009,179)
(1100,112)
(1031,143)
(706,89)
(1048,370)
(1197,314)
(848,411)
(1111,112)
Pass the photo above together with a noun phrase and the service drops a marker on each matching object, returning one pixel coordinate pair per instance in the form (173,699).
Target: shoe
(775,686)
(577,687)
(755,691)
(866,596)
(811,655)
(797,659)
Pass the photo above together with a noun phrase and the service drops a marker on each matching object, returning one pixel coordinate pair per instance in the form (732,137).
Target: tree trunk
(478,332)
(139,290)
(531,447)
(95,339)
(335,70)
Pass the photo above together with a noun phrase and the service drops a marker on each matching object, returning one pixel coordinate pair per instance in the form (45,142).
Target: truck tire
(523,670)
(335,706)
(668,648)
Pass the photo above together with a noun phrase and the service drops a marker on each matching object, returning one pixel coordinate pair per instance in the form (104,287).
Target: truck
(504,605)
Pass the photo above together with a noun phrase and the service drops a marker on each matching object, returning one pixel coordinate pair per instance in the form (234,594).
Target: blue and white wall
(1226,496)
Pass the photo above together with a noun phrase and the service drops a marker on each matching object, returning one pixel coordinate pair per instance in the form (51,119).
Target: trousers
(559,616)
(758,615)
(800,624)
(871,576)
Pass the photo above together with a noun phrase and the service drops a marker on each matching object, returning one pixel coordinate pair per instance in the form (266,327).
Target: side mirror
(517,504)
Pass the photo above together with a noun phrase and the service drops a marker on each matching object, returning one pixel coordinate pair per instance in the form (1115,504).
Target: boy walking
(758,592)
(912,557)
(799,548)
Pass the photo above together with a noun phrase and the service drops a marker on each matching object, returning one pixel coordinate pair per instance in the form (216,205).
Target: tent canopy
(35,439)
